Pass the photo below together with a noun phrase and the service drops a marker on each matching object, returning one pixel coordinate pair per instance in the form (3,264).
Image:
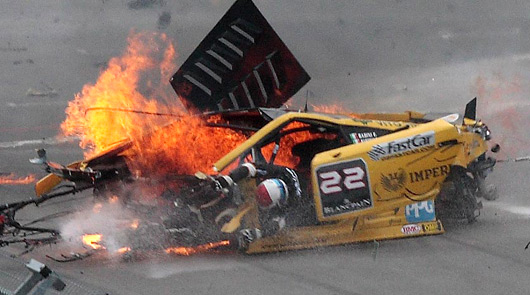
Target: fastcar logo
(411,229)
(416,143)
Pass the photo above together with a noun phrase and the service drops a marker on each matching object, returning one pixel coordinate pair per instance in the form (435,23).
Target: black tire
(458,199)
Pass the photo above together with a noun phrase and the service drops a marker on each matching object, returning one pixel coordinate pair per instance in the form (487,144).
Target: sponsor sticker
(380,123)
(358,137)
(394,181)
(411,229)
(420,212)
(429,173)
(362,121)
(403,146)
(430,227)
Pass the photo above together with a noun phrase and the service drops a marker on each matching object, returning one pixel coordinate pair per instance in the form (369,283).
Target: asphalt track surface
(369,55)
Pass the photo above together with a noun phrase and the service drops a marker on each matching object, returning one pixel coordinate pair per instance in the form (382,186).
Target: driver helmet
(271,193)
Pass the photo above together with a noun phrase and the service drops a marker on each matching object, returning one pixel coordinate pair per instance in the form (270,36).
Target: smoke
(504,108)
(109,218)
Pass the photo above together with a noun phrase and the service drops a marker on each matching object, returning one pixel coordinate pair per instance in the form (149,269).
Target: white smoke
(109,219)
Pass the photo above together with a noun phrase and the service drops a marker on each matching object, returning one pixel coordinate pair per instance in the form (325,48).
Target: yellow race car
(360,177)
(369,179)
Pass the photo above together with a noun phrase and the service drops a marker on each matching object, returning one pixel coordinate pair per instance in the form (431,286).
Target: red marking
(262,197)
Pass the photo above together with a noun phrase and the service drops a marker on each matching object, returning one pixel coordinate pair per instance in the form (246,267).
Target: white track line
(47,141)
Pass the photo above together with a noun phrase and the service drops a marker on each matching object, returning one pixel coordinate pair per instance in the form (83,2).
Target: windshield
(294,145)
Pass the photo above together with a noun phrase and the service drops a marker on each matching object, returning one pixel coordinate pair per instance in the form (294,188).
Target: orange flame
(101,115)
(330,109)
(134,224)
(123,250)
(184,147)
(97,207)
(92,240)
(187,251)
(96,114)
(285,156)
(114,199)
(11,179)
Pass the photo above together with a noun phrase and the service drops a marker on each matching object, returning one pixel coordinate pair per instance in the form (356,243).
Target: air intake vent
(241,64)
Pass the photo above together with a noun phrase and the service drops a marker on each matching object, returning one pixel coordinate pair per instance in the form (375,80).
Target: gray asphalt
(366,55)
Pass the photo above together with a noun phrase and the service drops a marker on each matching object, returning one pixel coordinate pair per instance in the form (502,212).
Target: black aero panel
(241,64)
(471,109)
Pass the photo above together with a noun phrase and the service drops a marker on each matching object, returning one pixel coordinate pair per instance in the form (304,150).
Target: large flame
(101,114)
(11,179)
(184,147)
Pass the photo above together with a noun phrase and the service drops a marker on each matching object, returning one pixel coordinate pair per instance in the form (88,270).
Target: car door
(384,173)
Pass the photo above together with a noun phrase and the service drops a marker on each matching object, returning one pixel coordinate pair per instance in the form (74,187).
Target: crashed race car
(300,179)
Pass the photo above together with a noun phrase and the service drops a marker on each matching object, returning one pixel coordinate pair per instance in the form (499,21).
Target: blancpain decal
(411,229)
(347,207)
(417,143)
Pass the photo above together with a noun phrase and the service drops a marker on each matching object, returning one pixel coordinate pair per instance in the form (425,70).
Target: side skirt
(345,232)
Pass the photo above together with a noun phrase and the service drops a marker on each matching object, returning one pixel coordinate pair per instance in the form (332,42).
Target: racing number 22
(353,179)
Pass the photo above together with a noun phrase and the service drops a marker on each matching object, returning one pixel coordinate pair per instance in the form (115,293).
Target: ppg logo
(420,212)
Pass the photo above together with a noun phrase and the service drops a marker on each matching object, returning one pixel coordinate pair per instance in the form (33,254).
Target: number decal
(354,178)
(330,182)
(343,187)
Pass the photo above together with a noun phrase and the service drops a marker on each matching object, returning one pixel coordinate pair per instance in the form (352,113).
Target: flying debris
(13,232)
(282,179)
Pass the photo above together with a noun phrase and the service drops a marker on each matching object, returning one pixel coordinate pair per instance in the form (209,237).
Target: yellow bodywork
(401,117)
(396,182)
(50,181)
(344,232)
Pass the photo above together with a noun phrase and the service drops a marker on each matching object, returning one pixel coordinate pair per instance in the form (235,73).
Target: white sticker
(411,229)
